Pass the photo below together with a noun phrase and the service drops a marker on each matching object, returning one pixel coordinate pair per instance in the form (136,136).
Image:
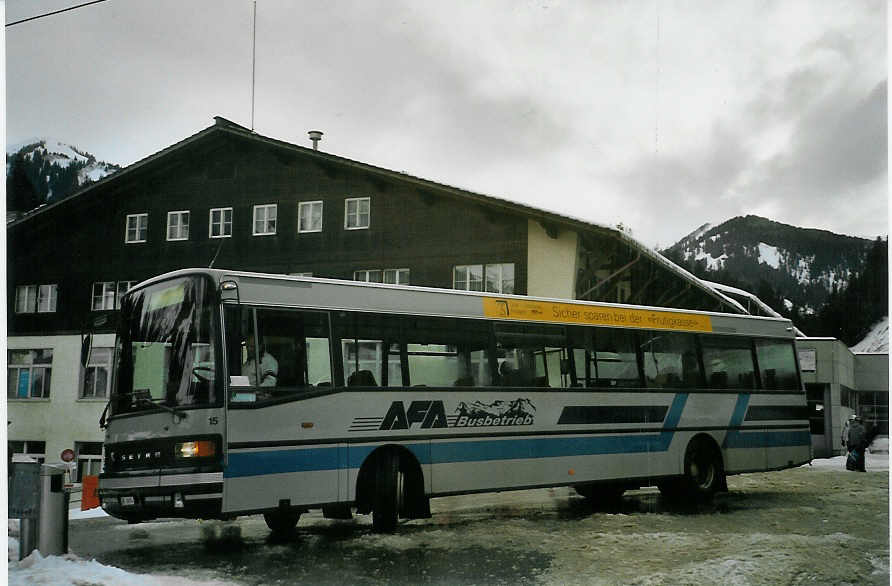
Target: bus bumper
(140,497)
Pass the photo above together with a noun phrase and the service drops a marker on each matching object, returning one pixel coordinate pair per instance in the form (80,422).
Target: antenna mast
(253,64)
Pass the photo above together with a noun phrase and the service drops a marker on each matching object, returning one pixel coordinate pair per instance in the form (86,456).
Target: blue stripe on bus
(319,459)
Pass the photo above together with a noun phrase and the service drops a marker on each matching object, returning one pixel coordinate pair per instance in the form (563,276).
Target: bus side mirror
(229,291)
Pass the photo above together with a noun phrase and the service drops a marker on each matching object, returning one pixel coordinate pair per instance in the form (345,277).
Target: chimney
(315,136)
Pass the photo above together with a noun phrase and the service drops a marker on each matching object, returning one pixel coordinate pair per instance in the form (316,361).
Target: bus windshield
(166,347)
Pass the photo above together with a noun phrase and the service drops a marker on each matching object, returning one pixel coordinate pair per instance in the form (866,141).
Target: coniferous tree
(21,196)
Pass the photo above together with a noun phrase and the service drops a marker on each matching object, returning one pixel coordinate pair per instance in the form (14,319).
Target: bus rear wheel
(281,522)
(703,473)
(390,492)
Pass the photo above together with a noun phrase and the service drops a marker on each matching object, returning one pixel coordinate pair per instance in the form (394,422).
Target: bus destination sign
(551,311)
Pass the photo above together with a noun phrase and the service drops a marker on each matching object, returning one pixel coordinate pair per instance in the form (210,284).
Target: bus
(239,393)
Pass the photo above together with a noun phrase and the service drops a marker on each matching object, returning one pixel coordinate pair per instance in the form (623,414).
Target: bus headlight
(199,449)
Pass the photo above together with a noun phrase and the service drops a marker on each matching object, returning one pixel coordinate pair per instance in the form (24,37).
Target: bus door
(279,369)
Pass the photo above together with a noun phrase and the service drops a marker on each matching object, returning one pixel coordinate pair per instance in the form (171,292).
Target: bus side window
(728,362)
(366,345)
(670,360)
(532,355)
(777,361)
(446,353)
(288,353)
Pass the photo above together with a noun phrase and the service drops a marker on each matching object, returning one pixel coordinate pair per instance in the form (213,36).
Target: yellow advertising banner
(569,313)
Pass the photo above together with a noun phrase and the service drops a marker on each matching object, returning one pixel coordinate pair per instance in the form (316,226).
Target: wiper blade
(143,400)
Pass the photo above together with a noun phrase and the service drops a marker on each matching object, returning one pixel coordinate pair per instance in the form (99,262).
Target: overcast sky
(660,115)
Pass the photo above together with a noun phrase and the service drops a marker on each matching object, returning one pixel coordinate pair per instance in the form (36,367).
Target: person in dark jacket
(857,443)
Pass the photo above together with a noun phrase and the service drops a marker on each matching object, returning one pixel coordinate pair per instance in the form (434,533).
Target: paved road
(810,525)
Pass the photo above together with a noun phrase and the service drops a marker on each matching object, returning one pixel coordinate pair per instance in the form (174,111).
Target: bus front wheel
(389,499)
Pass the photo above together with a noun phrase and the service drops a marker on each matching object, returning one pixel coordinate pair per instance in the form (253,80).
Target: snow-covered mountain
(797,267)
(46,170)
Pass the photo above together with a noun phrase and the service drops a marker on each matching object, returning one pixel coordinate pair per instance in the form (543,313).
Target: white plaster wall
(63,419)
(551,262)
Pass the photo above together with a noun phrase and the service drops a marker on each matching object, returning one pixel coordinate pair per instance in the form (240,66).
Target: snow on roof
(876,341)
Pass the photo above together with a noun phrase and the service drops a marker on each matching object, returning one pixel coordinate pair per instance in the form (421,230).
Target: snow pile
(70,569)
(877,340)
(876,459)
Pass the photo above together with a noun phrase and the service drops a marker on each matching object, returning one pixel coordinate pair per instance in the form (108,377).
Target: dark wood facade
(81,241)
(415,224)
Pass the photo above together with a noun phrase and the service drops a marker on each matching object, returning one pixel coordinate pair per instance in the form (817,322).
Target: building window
(178,225)
(46,298)
(265,220)
(123,287)
(396,276)
(29,373)
(367,276)
(220,223)
(496,278)
(107,294)
(27,451)
(357,213)
(89,459)
(25,298)
(390,276)
(36,298)
(500,278)
(103,296)
(137,228)
(97,375)
(309,216)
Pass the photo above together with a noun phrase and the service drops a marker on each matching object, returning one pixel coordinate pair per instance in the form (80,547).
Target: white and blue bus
(240,393)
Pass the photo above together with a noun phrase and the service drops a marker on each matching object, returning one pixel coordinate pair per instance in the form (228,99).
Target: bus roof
(335,294)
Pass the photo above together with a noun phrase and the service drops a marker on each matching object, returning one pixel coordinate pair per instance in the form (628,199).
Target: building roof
(547,218)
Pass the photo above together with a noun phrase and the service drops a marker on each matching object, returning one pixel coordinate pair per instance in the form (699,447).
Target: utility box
(24,503)
(52,528)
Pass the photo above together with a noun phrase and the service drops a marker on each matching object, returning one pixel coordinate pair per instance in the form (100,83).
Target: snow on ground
(875,341)
(875,461)
(72,570)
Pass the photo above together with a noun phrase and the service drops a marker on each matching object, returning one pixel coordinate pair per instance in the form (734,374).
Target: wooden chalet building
(239,200)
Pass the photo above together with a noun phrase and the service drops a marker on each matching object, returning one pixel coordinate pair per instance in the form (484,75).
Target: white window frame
(397,276)
(25,298)
(467,281)
(224,225)
(357,214)
(30,366)
(27,455)
(95,363)
(121,288)
(265,207)
(500,269)
(304,274)
(47,298)
(92,462)
(107,296)
(141,225)
(365,275)
(178,223)
(301,214)
(484,269)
